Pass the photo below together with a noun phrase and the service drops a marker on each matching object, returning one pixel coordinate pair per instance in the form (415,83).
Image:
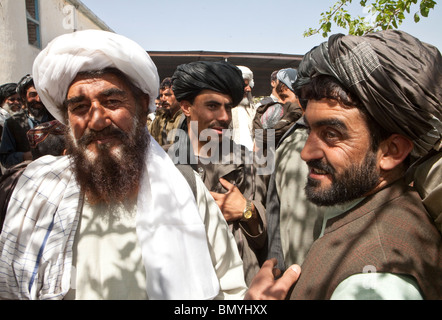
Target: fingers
(226,184)
(276,273)
(215,195)
(282,286)
(266,271)
(290,276)
(268,266)
(265,287)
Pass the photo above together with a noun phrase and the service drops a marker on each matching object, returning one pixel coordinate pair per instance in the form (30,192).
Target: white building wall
(56,18)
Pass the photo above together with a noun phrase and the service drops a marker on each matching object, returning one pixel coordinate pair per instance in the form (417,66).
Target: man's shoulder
(48,165)
(397,212)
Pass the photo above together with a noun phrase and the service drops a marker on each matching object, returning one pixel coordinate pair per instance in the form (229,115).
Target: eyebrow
(113,91)
(212,102)
(75,99)
(327,122)
(105,93)
(217,103)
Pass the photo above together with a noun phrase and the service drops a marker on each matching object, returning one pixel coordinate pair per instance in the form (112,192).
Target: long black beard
(36,112)
(110,179)
(354,183)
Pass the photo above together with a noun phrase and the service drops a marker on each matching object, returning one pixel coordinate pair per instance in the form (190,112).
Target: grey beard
(8,108)
(247,100)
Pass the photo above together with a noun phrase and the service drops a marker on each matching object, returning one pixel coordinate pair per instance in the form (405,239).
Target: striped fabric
(41,223)
(40,209)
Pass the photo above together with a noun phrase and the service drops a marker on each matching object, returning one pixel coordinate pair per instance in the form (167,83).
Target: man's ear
(394,150)
(185,107)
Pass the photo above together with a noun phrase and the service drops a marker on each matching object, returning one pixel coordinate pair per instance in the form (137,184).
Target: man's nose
(312,149)
(99,117)
(224,115)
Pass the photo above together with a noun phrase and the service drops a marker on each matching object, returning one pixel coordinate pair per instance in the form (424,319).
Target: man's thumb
(291,275)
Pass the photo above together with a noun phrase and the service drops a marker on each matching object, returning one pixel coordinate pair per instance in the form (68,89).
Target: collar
(336,211)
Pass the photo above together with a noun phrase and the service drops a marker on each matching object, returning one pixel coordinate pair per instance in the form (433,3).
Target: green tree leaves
(379,15)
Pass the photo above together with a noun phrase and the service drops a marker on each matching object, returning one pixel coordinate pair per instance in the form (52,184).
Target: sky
(259,26)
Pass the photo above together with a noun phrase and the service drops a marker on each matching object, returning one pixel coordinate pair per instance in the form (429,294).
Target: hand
(232,203)
(264,285)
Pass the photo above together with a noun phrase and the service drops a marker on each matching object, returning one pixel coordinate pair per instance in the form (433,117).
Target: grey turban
(397,78)
(90,50)
(192,78)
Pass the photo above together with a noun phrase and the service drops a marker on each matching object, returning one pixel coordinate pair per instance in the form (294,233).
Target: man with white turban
(115,219)
(244,113)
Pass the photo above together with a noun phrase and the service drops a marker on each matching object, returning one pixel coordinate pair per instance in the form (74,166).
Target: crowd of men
(116,185)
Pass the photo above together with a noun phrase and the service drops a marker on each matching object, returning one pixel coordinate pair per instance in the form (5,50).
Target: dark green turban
(397,78)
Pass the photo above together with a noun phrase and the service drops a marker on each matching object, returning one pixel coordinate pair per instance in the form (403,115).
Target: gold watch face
(247,214)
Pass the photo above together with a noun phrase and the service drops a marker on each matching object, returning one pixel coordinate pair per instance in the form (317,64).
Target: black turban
(23,85)
(190,79)
(397,78)
(6,91)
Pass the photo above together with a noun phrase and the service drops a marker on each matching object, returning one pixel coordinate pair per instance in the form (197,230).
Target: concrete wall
(56,17)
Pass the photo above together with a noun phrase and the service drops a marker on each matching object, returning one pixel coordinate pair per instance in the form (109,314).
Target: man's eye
(112,103)
(331,135)
(79,108)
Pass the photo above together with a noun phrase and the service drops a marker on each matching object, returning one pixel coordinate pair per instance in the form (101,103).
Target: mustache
(33,104)
(321,164)
(92,135)
(218,124)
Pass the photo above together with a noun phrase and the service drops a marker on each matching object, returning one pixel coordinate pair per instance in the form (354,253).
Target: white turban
(247,74)
(91,50)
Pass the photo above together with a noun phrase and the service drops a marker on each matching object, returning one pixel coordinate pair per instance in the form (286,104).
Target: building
(27,26)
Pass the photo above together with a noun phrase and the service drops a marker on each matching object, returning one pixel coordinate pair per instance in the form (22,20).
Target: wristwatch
(247,213)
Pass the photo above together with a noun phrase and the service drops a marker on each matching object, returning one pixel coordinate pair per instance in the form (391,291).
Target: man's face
(287,95)
(168,100)
(33,102)
(99,104)
(13,103)
(342,166)
(108,137)
(247,87)
(211,110)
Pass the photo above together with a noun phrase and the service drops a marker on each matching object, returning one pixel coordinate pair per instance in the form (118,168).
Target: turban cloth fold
(192,78)
(397,78)
(247,74)
(91,50)
(287,76)
(41,132)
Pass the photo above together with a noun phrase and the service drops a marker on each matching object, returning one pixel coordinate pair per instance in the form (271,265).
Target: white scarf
(242,118)
(43,213)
